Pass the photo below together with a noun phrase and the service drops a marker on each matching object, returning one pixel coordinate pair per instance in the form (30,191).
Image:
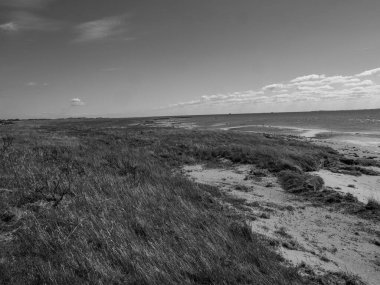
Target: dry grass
(83,203)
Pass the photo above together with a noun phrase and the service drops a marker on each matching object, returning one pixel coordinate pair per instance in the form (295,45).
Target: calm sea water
(361,127)
(362,121)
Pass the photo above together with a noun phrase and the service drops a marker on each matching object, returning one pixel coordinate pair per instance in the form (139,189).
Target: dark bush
(300,182)
(373,204)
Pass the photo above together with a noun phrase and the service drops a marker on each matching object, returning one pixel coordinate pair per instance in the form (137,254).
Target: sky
(123,58)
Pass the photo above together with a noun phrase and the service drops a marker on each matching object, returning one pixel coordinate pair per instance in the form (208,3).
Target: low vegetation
(98,202)
(311,188)
(371,210)
(295,182)
(7,122)
(373,204)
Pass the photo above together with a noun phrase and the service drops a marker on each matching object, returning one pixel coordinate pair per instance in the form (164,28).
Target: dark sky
(131,58)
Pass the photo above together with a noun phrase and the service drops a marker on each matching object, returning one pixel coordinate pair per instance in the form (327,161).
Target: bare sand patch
(324,239)
(303,132)
(363,187)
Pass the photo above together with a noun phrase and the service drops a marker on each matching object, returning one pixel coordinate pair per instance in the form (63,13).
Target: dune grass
(300,182)
(81,203)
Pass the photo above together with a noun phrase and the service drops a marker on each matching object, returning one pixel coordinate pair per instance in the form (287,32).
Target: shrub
(373,204)
(300,182)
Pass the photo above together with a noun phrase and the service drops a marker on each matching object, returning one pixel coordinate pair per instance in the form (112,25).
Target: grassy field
(98,202)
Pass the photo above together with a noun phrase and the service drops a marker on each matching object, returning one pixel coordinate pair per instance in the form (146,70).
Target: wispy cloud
(308,77)
(312,88)
(369,72)
(77,102)
(9,27)
(35,84)
(27,21)
(100,29)
(23,16)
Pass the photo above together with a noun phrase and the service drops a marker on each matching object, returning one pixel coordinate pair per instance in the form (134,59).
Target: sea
(360,127)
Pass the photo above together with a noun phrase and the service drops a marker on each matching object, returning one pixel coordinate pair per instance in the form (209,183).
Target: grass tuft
(295,182)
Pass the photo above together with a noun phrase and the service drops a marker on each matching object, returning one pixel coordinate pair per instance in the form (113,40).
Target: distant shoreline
(122,116)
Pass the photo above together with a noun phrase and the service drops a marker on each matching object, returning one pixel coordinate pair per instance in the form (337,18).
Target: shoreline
(357,138)
(359,145)
(350,144)
(364,187)
(369,142)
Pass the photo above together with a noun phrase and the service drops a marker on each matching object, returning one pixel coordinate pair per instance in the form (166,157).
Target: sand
(368,141)
(304,132)
(317,236)
(363,187)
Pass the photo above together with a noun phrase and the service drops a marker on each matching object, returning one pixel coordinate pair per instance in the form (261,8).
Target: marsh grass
(95,202)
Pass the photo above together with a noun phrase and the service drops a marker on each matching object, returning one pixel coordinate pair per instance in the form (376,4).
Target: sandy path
(318,237)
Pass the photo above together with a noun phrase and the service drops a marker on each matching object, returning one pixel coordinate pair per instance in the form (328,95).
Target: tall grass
(86,205)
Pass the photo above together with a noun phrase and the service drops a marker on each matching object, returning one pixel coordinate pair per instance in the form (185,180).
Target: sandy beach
(307,236)
(353,146)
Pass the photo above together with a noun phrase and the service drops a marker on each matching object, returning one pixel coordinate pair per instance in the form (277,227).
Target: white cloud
(305,83)
(369,72)
(273,87)
(360,83)
(313,88)
(308,77)
(338,79)
(77,102)
(101,29)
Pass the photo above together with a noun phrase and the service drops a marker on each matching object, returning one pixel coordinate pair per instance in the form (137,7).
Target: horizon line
(183,115)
